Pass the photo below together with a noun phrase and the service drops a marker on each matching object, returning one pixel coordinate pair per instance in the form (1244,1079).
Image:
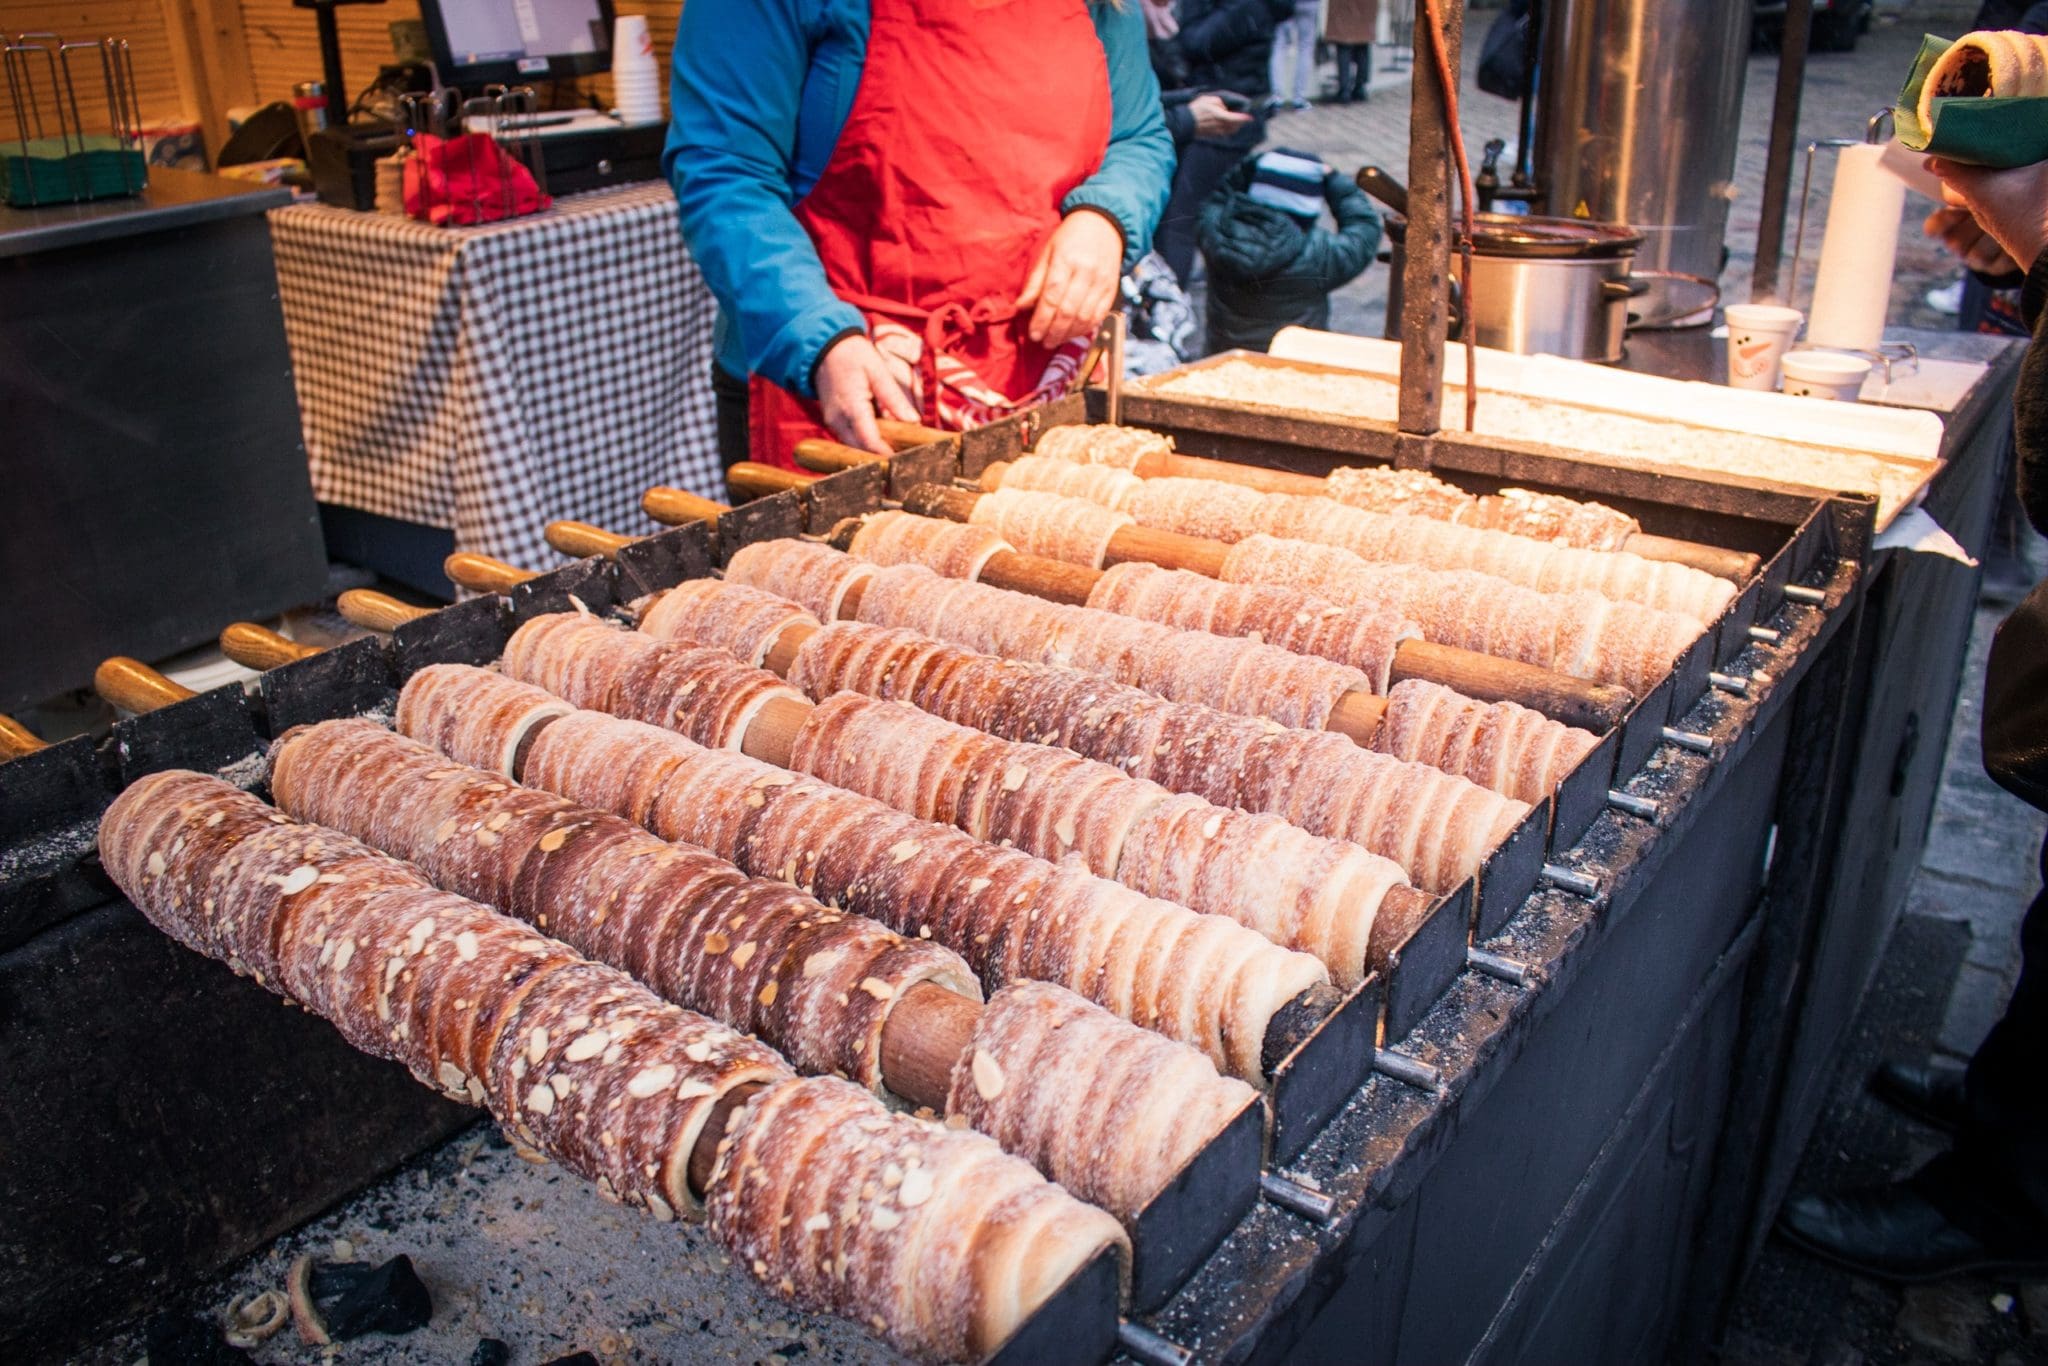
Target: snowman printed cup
(1758,337)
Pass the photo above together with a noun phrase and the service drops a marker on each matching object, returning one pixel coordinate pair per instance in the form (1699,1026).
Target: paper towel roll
(1853,289)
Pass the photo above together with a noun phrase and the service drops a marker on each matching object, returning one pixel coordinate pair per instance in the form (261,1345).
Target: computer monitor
(515,42)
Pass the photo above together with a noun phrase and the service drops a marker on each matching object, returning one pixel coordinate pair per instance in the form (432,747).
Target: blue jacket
(759,92)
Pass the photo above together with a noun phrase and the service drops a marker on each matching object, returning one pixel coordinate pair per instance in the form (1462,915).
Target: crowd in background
(1249,223)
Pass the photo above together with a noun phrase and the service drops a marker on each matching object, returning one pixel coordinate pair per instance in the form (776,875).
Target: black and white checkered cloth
(494,379)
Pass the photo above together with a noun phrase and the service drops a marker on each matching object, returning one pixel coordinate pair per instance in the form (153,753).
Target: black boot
(1893,1234)
(1927,1090)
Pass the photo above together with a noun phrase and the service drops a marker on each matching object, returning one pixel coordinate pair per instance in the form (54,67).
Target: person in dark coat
(1270,264)
(1221,46)
(1982,1205)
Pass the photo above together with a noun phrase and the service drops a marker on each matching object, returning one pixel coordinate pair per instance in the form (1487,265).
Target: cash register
(478,44)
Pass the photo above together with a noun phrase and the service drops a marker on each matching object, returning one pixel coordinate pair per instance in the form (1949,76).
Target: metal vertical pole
(1770,229)
(1425,278)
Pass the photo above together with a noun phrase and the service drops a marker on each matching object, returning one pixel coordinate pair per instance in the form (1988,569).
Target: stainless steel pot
(1557,286)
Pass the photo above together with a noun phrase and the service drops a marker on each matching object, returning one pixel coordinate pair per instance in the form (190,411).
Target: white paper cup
(630,39)
(1758,337)
(1825,374)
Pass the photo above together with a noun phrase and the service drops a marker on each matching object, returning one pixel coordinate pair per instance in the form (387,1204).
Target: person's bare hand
(1214,118)
(1973,246)
(1074,281)
(854,385)
(2010,207)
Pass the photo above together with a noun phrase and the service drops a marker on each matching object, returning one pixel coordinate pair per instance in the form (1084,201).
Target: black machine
(477,44)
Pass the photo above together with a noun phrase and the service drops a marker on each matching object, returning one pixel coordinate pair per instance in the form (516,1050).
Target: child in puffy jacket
(1270,264)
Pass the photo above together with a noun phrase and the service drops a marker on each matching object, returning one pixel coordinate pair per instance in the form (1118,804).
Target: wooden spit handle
(482,574)
(134,687)
(923,1039)
(260,648)
(674,507)
(1230,472)
(1052,580)
(830,457)
(17,739)
(1165,548)
(581,540)
(1737,565)
(375,611)
(1598,707)
(1358,715)
(749,480)
(905,435)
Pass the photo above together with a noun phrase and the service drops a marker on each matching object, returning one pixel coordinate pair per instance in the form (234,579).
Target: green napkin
(1998,131)
(53,171)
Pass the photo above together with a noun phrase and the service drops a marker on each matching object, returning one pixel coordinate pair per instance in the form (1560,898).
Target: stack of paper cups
(391,184)
(636,79)
(1853,290)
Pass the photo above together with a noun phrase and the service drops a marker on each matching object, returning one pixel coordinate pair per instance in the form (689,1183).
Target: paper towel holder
(1878,128)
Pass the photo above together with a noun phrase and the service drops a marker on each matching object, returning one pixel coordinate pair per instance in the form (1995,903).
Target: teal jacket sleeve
(741,78)
(1137,171)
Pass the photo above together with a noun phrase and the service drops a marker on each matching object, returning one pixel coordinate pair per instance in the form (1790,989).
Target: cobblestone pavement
(1841,91)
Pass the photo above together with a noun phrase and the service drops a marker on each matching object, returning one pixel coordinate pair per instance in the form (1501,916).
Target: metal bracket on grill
(1325,1070)
(1689,740)
(1141,1344)
(1306,1201)
(1643,808)
(1408,1069)
(1502,968)
(1079,1323)
(1570,880)
(1180,1226)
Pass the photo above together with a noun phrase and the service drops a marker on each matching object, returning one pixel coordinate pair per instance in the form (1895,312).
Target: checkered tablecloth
(493,379)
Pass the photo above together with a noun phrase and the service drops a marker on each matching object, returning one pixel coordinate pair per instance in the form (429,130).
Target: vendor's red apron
(974,119)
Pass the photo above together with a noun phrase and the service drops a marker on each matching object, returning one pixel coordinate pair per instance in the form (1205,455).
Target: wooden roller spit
(260,648)
(1110,540)
(482,574)
(134,687)
(663,1109)
(588,663)
(1149,455)
(376,611)
(1579,702)
(360,778)
(1583,703)
(904,1020)
(749,480)
(17,740)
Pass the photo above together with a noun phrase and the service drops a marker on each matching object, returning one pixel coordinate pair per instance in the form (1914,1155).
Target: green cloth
(1996,131)
(39,171)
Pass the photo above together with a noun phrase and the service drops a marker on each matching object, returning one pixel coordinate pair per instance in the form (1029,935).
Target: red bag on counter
(468,179)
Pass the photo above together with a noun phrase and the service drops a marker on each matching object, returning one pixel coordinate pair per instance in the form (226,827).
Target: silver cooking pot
(1558,286)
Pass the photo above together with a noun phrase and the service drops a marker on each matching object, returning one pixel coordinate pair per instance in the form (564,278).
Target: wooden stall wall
(146,24)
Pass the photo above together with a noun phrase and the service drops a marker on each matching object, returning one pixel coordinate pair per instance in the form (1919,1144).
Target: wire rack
(56,154)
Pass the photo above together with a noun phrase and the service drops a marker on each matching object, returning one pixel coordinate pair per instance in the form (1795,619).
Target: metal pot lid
(1532,238)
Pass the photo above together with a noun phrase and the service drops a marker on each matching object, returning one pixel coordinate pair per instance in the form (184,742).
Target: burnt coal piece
(350,1299)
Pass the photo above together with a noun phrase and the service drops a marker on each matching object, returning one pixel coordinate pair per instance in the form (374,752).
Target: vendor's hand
(2009,207)
(854,385)
(1074,281)
(1214,118)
